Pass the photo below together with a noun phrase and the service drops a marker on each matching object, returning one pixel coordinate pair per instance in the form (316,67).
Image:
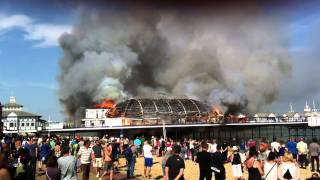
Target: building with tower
(15,120)
(312,114)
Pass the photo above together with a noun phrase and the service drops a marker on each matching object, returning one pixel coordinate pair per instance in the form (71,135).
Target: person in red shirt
(251,143)
(157,147)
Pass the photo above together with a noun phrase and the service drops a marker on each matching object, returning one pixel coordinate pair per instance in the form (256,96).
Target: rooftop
(12,104)
(19,113)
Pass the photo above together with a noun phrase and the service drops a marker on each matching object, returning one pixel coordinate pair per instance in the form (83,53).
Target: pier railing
(220,121)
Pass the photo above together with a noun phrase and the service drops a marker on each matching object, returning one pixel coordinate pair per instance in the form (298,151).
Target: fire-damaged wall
(235,58)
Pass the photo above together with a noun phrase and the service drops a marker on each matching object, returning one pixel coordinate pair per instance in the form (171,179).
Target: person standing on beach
(137,143)
(218,161)
(98,157)
(85,154)
(292,148)
(203,158)
(168,154)
(275,146)
(254,167)
(236,163)
(130,154)
(148,161)
(67,165)
(175,165)
(314,153)
(44,154)
(108,163)
(302,151)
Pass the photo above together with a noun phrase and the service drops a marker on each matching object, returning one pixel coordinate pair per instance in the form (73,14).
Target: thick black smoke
(235,58)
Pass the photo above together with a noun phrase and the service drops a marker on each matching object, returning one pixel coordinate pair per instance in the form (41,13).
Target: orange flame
(112,112)
(217,110)
(106,104)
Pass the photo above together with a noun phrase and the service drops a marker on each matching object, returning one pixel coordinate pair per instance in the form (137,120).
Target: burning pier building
(150,111)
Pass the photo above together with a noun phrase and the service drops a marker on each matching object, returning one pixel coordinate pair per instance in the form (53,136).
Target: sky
(30,53)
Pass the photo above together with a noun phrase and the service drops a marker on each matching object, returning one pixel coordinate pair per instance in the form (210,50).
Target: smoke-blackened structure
(237,59)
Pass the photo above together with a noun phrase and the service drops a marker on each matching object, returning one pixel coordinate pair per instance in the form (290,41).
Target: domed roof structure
(162,108)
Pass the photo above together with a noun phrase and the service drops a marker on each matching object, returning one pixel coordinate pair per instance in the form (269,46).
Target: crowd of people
(63,158)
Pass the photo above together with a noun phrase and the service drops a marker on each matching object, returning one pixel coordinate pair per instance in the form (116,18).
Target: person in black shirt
(115,155)
(97,161)
(224,151)
(33,148)
(203,158)
(175,165)
(218,160)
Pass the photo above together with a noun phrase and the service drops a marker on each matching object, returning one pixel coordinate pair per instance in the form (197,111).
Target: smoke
(235,59)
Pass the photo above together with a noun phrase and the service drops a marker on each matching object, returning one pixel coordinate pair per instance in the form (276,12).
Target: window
(27,124)
(22,124)
(11,125)
(32,124)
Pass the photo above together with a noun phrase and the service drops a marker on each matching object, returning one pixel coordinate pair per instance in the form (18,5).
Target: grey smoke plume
(235,59)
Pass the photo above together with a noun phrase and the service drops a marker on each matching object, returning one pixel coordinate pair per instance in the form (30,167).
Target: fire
(217,110)
(106,104)
(216,114)
(240,118)
(112,113)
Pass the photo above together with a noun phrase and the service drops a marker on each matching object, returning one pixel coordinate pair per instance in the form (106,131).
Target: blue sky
(29,56)
(29,53)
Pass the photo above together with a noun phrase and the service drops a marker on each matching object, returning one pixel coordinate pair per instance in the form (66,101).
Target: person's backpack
(287,175)
(128,154)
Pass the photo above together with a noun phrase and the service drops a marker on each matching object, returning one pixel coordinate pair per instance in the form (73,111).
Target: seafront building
(16,120)
(97,117)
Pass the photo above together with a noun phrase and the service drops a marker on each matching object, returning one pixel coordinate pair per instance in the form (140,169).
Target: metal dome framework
(168,109)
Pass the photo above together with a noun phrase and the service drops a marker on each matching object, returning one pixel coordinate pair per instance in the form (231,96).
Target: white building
(97,117)
(266,117)
(15,120)
(53,125)
(292,116)
(312,115)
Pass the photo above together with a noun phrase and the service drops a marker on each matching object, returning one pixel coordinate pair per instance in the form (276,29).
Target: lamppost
(164,130)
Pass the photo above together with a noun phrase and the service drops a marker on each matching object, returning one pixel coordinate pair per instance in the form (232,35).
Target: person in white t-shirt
(288,169)
(275,146)
(213,147)
(270,167)
(148,161)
